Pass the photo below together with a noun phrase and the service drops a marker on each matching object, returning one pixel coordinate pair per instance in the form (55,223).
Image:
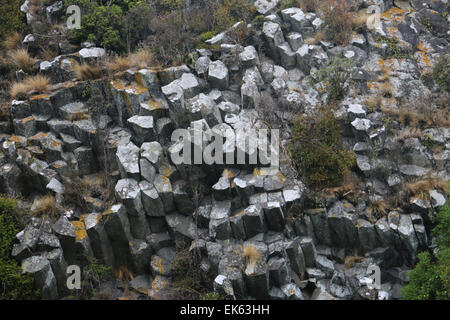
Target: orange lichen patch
(229,174)
(423,59)
(264,171)
(18,139)
(381,62)
(118,85)
(80,230)
(56,144)
(392,12)
(165,171)
(40,96)
(159,265)
(154,105)
(281,177)
(28,119)
(39,135)
(240,213)
(104,214)
(136,89)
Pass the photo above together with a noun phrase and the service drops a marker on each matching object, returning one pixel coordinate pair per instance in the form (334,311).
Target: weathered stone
(218,75)
(39,268)
(128,161)
(143,128)
(164,187)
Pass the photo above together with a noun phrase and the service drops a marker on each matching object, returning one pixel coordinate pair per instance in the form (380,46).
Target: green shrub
(258,22)
(338,21)
(94,274)
(190,281)
(393,50)
(13,284)
(441,72)
(316,147)
(12,19)
(335,75)
(430,278)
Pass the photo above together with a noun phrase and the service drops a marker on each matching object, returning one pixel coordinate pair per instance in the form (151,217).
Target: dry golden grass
(47,54)
(408,133)
(308,5)
(87,72)
(378,208)
(118,64)
(44,206)
(350,261)
(421,188)
(13,41)
(79,116)
(251,254)
(350,188)
(35,84)
(125,276)
(21,59)
(140,60)
(320,36)
(359,20)
(311,41)
(374,103)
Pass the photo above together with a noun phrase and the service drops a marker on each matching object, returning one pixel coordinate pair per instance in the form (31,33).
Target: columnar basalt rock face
(258,230)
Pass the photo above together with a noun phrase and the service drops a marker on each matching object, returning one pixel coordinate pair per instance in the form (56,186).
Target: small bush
(378,209)
(12,19)
(430,278)
(94,274)
(86,71)
(316,147)
(338,21)
(441,72)
(190,281)
(335,75)
(13,284)
(21,59)
(394,50)
(308,5)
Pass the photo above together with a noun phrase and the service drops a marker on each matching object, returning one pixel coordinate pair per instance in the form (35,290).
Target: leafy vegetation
(393,50)
(13,20)
(13,284)
(165,26)
(441,72)
(335,76)
(316,147)
(94,274)
(190,280)
(430,278)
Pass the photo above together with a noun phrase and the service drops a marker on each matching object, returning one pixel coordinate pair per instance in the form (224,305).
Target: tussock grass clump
(251,254)
(378,208)
(35,84)
(350,261)
(44,206)
(421,188)
(140,60)
(308,5)
(86,71)
(13,41)
(21,59)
